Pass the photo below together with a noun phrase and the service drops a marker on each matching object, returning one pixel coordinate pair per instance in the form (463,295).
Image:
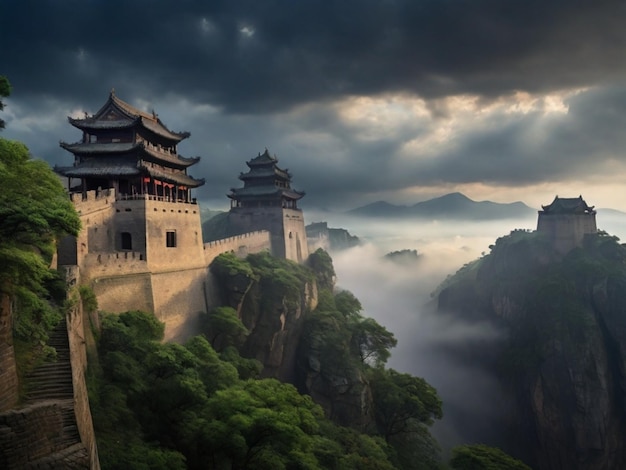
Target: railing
(152,197)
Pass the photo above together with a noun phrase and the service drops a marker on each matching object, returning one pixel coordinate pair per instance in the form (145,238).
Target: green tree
(403,402)
(225,328)
(482,457)
(263,424)
(34,213)
(372,341)
(5,90)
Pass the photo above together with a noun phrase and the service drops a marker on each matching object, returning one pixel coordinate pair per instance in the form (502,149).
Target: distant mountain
(450,206)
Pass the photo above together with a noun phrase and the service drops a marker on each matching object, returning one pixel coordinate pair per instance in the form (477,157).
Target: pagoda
(267,202)
(566,221)
(130,151)
(265,185)
(140,246)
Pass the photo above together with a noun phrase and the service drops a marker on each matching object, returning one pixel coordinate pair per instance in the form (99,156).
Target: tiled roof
(90,123)
(102,119)
(264,191)
(262,159)
(99,148)
(118,148)
(573,205)
(265,173)
(159,128)
(176,159)
(178,178)
(94,168)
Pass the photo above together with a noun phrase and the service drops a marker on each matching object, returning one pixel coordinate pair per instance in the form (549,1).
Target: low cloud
(430,344)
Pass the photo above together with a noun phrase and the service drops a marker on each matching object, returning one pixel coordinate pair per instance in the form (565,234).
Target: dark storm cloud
(538,147)
(245,75)
(251,56)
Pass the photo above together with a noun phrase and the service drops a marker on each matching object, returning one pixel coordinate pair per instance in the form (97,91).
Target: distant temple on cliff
(141,246)
(566,221)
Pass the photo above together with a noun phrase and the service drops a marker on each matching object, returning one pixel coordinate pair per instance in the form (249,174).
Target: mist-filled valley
(400,296)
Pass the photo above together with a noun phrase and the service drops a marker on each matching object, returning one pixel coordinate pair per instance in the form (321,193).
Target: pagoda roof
(120,148)
(177,178)
(251,192)
(573,205)
(114,167)
(117,114)
(100,167)
(265,173)
(262,159)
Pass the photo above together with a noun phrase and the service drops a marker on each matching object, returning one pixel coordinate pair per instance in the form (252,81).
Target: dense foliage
(34,213)
(559,354)
(202,405)
(482,457)
(172,406)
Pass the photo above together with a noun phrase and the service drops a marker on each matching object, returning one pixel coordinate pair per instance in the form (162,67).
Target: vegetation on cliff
(34,213)
(195,406)
(339,354)
(561,360)
(173,406)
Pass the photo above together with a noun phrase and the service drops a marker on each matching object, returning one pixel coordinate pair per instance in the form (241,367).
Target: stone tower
(566,221)
(141,245)
(267,202)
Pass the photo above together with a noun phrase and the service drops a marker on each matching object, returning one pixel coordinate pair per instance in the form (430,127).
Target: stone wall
(123,292)
(78,330)
(281,223)
(32,437)
(179,299)
(566,230)
(241,245)
(294,234)
(8,369)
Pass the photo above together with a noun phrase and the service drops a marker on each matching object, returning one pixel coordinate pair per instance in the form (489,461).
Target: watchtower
(129,158)
(267,202)
(566,221)
(141,245)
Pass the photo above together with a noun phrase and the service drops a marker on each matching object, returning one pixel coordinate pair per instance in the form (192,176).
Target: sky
(362,100)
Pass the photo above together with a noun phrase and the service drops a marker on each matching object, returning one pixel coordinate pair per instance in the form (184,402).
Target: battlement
(117,263)
(92,201)
(241,245)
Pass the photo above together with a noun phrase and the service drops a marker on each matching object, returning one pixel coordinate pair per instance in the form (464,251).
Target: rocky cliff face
(563,364)
(275,300)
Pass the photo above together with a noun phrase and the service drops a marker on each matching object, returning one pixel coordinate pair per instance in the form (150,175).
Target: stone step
(74,456)
(50,388)
(50,369)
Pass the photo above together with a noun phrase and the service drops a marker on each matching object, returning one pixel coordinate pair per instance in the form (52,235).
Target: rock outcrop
(275,300)
(563,364)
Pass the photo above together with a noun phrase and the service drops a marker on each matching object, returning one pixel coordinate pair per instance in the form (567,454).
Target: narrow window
(127,241)
(170,239)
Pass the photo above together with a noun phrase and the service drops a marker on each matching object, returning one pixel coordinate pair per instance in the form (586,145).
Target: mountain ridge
(452,205)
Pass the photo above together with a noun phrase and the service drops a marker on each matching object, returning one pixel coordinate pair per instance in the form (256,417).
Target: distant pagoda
(265,185)
(131,151)
(566,221)
(267,202)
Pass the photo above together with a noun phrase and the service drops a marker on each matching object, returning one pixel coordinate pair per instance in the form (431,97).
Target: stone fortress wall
(148,254)
(567,230)
(286,226)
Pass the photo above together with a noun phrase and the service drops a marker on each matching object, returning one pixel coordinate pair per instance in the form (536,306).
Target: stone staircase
(51,382)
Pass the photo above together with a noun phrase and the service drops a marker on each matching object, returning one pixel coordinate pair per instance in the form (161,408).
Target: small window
(170,239)
(127,241)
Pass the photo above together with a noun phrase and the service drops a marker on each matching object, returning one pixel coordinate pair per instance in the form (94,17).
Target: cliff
(277,303)
(562,359)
